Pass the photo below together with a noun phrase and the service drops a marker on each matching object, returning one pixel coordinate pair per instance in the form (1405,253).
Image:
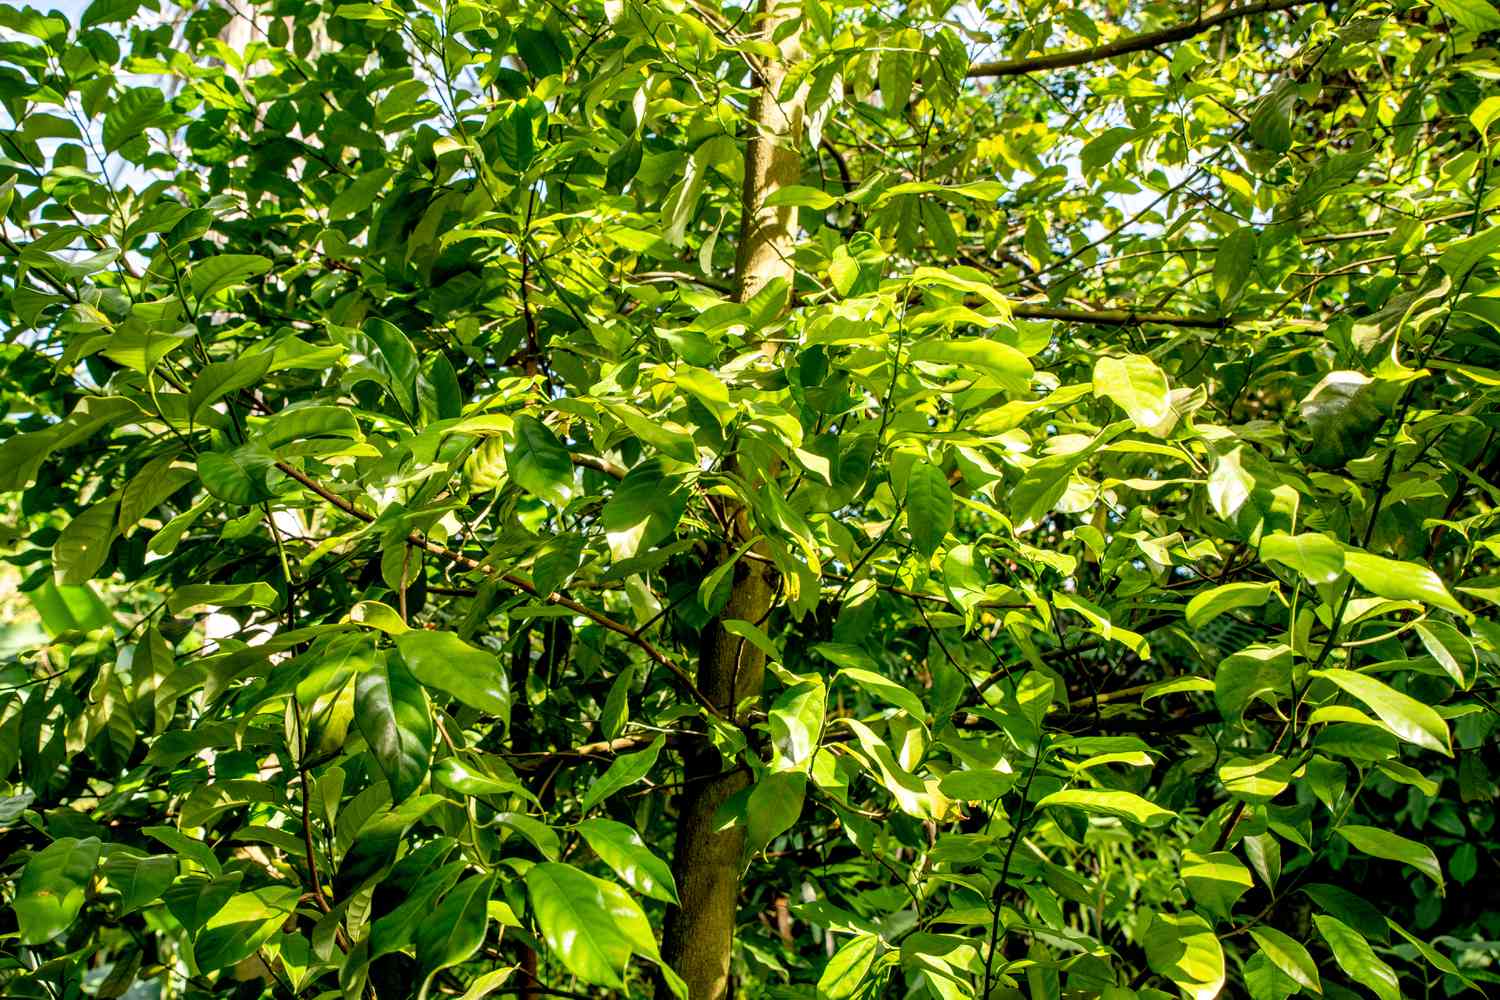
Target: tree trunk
(707,862)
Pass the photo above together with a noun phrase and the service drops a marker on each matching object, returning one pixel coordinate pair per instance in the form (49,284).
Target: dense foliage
(827,500)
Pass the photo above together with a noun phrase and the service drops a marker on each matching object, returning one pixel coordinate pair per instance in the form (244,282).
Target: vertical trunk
(706,862)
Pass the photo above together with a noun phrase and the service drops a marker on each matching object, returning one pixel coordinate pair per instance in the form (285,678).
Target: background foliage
(406,430)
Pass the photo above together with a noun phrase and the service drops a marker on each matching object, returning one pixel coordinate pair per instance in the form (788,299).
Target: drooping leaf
(623,771)
(929,506)
(1403,715)
(591,925)
(1124,805)
(443,661)
(621,847)
(52,887)
(1380,843)
(392,712)
(455,929)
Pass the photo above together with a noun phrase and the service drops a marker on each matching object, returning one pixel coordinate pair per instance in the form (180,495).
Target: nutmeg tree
(809,499)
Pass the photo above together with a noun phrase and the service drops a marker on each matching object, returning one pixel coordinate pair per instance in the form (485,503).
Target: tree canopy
(816,499)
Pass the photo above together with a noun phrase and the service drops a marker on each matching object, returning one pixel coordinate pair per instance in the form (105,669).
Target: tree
(821,500)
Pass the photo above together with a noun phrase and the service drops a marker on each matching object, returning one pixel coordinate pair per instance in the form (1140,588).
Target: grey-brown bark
(707,862)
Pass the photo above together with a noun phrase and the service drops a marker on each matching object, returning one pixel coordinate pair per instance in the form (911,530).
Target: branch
(459,559)
(598,464)
(1128,44)
(1129,317)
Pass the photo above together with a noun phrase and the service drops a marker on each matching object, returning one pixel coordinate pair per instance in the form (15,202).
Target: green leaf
(621,847)
(929,507)
(225,270)
(1234,263)
(542,836)
(1380,843)
(539,463)
(394,358)
(65,608)
(1182,947)
(131,114)
(239,477)
(895,75)
(515,138)
(1123,805)
(391,710)
(623,771)
(52,887)
(1211,603)
(1288,955)
(396,929)
(1216,880)
(1318,558)
(1343,414)
(591,926)
(81,549)
(359,193)
(1454,652)
(616,710)
(456,928)
(1355,956)
(1400,581)
(222,595)
(1103,148)
(1403,715)
(1271,121)
(772,808)
(221,378)
(471,777)
(645,508)
(845,971)
(796,721)
(108,11)
(1136,385)
(1001,362)
(715,589)
(139,879)
(1461,257)
(802,197)
(443,661)
(149,488)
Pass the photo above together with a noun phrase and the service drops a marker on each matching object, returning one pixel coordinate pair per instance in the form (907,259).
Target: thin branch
(1129,44)
(1129,317)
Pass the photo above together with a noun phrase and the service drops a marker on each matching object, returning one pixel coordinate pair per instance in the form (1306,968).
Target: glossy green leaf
(1318,558)
(621,847)
(1400,581)
(1211,603)
(84,544)
(1136,385)
(1288,955)
(591,926)
(1001,362)
(455,929)
(52,887)
(929,507)
(1358,960)
(1122,805)
(1402,714)
(539,463)
(225,271)
(1183,948)
(1380,843)
(392,712)
(139,879)
(624,771)
(443,661)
